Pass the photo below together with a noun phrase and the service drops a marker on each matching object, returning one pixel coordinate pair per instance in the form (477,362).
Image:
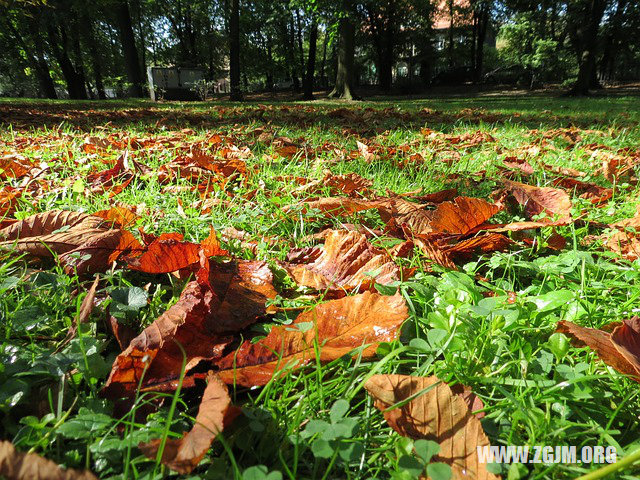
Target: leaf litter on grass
(353,277)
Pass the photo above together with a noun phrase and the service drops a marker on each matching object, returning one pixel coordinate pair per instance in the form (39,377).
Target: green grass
(464,326)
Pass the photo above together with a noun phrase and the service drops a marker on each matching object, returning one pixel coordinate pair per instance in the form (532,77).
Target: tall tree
(234,51)
(481,10)
(346,52)
(129,50)
(61,46)
(381,16)
(31,45)
(311,59)
(588,42)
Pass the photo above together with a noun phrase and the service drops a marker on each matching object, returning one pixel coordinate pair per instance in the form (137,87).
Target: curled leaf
(619,348)
(83,242)
(346,261)
(435,413)
(168,253)
(184,454)
(537,200)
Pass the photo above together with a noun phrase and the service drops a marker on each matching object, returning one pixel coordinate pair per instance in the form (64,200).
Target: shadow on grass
(364,118)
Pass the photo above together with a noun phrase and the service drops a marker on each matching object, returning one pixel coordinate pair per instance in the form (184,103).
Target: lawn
(268,178)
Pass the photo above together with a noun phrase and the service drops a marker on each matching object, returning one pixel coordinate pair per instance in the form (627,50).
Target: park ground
(487,321)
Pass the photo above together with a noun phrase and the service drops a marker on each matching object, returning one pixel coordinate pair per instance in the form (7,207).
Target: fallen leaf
(86,307)
(8,201)
(200,321)
(121,216)
(337,327)
(339,205)
(342,263)
(518,165)
(14,166)
(589,191)
(83,242)
(15,465)
(435,414)
(349,184)
(537,200)
(619,348)
(168,253)
(183,455)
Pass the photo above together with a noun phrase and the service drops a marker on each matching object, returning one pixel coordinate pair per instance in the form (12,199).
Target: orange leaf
(619,349)
(184,454)
(169,253)
(8,201)
(14,166)
(17,465)
(537,200)
(200,321)
(340,325)
(343,263)
(436,414)
(121,216)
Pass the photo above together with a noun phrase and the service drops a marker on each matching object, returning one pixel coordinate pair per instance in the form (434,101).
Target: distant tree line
(101,48)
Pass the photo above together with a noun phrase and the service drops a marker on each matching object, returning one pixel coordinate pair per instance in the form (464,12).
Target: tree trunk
(311,60)
(451,12)
(589,43)
(129,50)
(323,65)
(612,42)
(300,45)
(387,60)
(234,51)
(346,52)
(269,75)
(59,45)
(36,58)
(292,54)
(483,24)
(90,41)
(143,43)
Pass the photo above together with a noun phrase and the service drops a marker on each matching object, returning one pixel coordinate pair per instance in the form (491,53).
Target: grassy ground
(474,330)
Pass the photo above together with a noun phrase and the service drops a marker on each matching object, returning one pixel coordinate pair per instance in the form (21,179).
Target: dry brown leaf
(83,242)
(437,414)
(183,455)
(340,205)
(120,216)
(86,307)
(14,166)
(342,264)
(200,321)
(8,201)
(340,325)
(15,465)
(168,253)
(625,244)
(619,349)
(46,223)
(537,200)
(589,191)
(462,215)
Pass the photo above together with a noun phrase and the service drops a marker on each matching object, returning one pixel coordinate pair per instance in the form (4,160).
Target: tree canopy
(101,49)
